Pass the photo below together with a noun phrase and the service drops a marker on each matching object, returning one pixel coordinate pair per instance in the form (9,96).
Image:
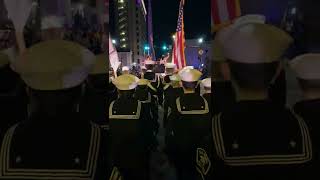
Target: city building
(130,27)
(198,53)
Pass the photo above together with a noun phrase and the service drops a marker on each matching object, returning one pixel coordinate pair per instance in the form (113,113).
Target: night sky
(165,16)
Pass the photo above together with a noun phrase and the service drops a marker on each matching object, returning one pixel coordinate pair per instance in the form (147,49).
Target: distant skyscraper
(131,27)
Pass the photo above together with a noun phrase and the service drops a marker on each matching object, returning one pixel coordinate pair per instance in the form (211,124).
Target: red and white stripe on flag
(224,12)
(179,42)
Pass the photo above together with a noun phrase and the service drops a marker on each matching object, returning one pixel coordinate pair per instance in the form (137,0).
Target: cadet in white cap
(143,94)
(307,72)
(154,79)
(54,71)
(125,70)
(254,133)
(129,130)
(172,91)
(190,114)
(170,69)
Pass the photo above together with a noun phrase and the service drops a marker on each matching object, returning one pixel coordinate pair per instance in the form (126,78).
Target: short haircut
(169,70)
(127,93)
(149,66)
(189,85)
(253,76)
(167,79)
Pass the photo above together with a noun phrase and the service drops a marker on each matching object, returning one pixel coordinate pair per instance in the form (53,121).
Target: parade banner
(223,12)
(179,57)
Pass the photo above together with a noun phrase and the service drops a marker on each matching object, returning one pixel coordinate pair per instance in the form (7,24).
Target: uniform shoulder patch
(203,161)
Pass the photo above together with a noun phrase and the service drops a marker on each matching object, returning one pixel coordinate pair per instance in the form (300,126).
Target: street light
(146,47)
(114,41)
(173,37)
(200,40)
(164,47)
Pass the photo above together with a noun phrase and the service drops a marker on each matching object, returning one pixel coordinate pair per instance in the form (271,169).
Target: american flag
(224,12)
(179,42)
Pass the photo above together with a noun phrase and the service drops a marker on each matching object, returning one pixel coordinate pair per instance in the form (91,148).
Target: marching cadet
(95,100)
(53,142)
(125,70)
(149,105)
(254,139)
(152,77)
(172,91)
(306,68)
(129,130)
(192,115)
(207,91)
(170,68)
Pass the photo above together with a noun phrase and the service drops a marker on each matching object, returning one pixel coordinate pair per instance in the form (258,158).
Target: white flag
(113,56)
(18,12)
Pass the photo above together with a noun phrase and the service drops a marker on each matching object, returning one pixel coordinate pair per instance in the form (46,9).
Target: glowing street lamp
(200,40)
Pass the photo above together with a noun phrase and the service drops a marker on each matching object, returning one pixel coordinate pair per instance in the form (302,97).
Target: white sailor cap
(190,75)
(307,66)
(126,82)
(170,65)
(125,68)
(206,82)
(175,77)
(253,43)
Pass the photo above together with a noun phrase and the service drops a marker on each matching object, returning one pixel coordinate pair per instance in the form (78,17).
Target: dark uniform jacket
(94,105)
(13,99)
(130,137)
(149,105)
(310,112)
(223,96)
(44,149)
(112,93)
(255,140)
(155,84)
(170,96)
(185,129)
